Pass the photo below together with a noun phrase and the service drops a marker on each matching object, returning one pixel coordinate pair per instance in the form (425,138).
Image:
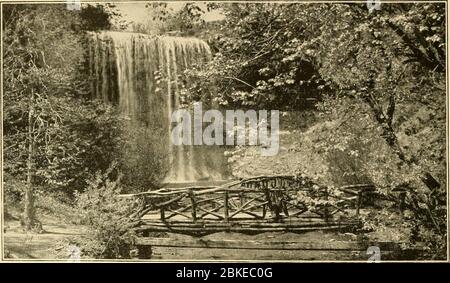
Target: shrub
(107,217)
(351,145)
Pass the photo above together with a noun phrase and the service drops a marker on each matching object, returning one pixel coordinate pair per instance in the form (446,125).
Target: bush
(13,189)
(55,205)
(107,217)
(351,145)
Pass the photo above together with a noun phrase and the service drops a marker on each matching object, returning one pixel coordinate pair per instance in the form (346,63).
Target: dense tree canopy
(53,137)
(377,80)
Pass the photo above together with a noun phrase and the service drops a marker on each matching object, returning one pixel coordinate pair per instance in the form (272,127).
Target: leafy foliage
(71,136)
(379,81)
(162,19)
(100,17)
(106,216)
(374,81)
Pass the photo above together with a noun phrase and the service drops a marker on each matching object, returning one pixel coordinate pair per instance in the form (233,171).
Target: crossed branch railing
(257,204)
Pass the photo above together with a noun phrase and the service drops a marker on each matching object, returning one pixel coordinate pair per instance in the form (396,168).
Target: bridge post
(225,206)
(144,252)
(264,208)
(358,202)
(194,205)
(271,202)
(326,212)
(162,213)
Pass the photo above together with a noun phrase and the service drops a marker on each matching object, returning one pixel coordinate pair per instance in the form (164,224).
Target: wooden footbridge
(264,204)
(255,205)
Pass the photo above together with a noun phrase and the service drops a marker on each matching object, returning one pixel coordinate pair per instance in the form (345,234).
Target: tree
(100,17)
(387,60)
(388,65)
(48,138)
(187,20)
(251,66)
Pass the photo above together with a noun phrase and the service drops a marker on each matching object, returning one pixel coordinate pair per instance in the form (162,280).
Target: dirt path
(51,244)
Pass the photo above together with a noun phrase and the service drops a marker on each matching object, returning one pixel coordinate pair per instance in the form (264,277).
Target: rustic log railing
(254,205)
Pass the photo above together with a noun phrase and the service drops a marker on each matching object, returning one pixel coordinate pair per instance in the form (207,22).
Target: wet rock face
(140,74)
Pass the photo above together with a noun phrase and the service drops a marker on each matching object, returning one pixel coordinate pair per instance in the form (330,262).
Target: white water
(140,74)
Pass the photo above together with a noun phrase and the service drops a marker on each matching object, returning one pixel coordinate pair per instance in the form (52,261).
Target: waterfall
(140,74)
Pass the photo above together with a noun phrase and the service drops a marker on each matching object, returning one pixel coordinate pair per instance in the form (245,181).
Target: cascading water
(140,74)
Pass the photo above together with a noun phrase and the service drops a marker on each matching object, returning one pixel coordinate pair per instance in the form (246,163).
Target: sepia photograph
(224,131)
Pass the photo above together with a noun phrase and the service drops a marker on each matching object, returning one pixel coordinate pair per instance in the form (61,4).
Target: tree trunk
(29,221)
(385,121)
